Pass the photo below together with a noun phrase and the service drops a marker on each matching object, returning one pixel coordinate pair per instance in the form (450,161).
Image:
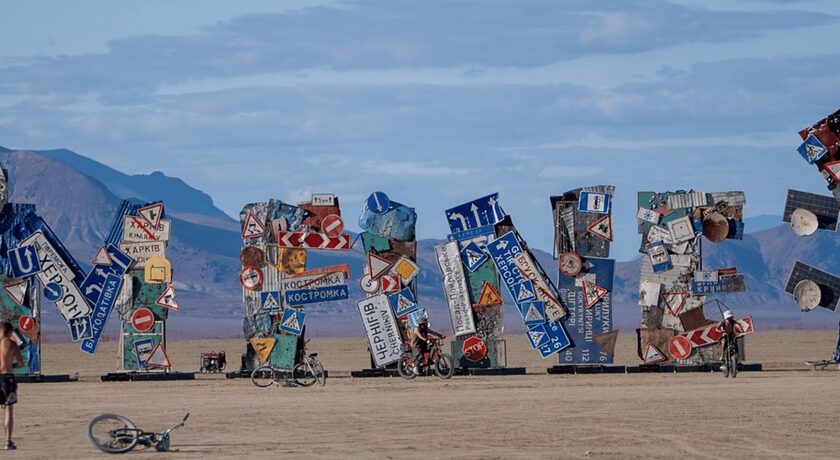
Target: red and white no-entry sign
(680,347)
(143,319)
(26,324)
(332,226)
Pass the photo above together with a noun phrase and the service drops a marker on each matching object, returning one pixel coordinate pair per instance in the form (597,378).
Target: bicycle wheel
(263,376)
(405,367)
(733,359)
(304,375)
(112,433)
(320,374)
(444,366)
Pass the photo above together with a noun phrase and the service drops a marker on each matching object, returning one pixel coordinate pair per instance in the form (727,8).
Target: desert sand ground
(781,412)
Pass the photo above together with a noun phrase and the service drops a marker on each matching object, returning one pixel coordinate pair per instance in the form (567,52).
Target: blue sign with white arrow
(403,302)
(483,211)
(102,311)
(92,286)
(321,294)
(53,291)
(473,256)
(558,340)
(292,321)
(24,261)
(812,150)
(503,251)
(378,203)
(80,328)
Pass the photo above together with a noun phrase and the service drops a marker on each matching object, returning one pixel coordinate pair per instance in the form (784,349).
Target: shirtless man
(10,359)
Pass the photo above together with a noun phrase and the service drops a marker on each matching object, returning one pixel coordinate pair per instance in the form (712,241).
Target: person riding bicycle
(420,342)
(730,329)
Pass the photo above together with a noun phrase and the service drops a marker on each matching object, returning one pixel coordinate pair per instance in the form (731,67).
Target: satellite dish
(715,227)
(803,222)
(807,295)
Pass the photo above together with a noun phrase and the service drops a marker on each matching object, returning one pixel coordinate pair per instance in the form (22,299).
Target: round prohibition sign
(251,278)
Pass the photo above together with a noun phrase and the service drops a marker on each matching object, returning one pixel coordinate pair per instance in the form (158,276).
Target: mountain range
(78,198)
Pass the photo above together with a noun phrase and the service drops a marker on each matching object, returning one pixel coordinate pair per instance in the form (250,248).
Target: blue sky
(433,102)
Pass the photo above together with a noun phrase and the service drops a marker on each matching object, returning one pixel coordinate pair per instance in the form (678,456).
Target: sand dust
(777,413)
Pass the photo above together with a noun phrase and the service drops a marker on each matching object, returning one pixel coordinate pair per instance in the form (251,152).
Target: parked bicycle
(306,373)
(115,434)
(433,360)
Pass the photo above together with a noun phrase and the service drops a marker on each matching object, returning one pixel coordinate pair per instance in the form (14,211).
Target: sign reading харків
(455,288)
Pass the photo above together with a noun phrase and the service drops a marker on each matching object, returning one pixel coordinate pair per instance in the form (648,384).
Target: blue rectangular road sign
(403,302)
(270,301)
(80,328)
(322,294)
(92,286)
(477,213)
(812,150)
(102,311)
(143,348)
(729,283)
(472,256)
(293,321)
(24,261)
(559,340)
(594,202)
(503,251)
(584,323)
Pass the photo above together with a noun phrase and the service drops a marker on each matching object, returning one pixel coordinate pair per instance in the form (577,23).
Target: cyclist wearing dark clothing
(730,330)
(420,342)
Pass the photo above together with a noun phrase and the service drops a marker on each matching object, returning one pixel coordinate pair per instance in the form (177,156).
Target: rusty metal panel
(284,352)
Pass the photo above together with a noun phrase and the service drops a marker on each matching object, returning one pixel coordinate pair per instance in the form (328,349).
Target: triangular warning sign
(603,228)
(534,314)
(152,214)
(252,227)
(592,293)
(489,296)
(674,301)
(17,291)
(653,355)
(378,265)
(606,341)
(292,323)
(159,358)
(263,348)
(102,258)
(833,169)
(525,291)
(167,299)
(537,338)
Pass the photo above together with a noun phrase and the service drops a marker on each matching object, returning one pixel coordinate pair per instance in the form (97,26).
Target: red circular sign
(143,319)
(26,324)
(679,347)
(332,225)
(475,349)
(251,278)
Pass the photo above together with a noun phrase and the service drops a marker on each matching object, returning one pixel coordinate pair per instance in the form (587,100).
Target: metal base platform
(372,373)
(586,369)
(61,378)
(147,376)
(690,368)
(499,371)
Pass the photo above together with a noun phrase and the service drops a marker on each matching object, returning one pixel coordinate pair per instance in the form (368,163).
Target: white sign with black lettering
(382,331)
(72,303)
(455,288)
(137,230)
(297,283)
(141,252)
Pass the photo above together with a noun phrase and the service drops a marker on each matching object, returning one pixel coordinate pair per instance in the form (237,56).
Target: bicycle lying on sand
(306,373)
(433,359)
(115,434)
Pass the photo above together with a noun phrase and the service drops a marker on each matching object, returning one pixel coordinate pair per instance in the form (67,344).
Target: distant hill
(78,198)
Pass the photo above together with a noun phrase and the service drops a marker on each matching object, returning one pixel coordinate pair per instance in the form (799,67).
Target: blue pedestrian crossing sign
(473,256)
(558,339)
(292,321)
(524,292)
(533,313)
(403,302)
(812,150)
(24,261)
(270,301)
(378,203)
(538,336)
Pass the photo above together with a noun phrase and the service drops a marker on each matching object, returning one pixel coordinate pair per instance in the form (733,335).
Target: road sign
(137,230)
(679,347)
(390,283)
(24,261)
(384,339)
(158,270)
(323,199)
(592,293)
(80,328)
(602,228)
(558,339)
(483,211)
(474,349)
(378,203)
(102,311)
(570,264)
(102,257)
(151,214)
(316,295)
(746,326)
(473,256)
(332,226)
(489,296)
(263,348)
(93,283)
(455,288)
(142,252)
(52,292)
(251,278)
(660,259)
(378,266)
(485,233)
(26,324)
(704,336)
(533,313)
(594,202)
(606,341)
(270,301)
(17,291)
(544,290)
(675,301)
(143,319)
(252,227)
(653,355)
(368,284)
(503,251)
(538,336)
(143,348)
(292,321)
(812,150)
(306,240)
(406,270)
(54,269)
(167,299)
(583,324)
(403,302)
(159,358)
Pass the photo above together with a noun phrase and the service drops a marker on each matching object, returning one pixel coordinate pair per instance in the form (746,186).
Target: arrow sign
(477,213)
(378,203)
(312,240)
(704,336)
(24,261)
